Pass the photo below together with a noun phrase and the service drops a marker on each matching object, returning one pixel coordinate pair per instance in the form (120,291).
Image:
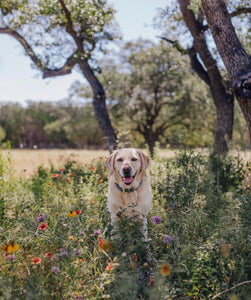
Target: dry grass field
(27,160)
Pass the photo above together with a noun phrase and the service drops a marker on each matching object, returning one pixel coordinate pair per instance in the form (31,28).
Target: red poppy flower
(48,255)
(36,260)
(135,257)
(93,169)
(78,212)
(42,226)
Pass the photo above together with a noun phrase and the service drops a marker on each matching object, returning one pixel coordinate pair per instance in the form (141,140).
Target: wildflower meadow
(55,232)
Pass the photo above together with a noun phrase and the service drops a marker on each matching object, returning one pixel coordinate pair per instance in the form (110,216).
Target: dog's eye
(134,159)
(120,159)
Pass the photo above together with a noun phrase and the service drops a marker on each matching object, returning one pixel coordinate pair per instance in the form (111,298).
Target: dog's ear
(110,162)
(144,160)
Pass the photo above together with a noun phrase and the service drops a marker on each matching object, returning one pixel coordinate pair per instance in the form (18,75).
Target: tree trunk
(236,59)
(224,103)
(150,140)
(99,105)
(222,96)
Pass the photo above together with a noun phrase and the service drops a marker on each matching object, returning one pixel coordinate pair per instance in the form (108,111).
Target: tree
(77,128)
(237,61)
(145,91)
(64,123)
(59,34)
(2,133)
(205,65)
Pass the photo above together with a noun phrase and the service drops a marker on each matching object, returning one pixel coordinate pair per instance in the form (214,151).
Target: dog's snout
(127,170)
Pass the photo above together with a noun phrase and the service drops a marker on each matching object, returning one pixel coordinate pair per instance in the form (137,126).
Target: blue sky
(20,82)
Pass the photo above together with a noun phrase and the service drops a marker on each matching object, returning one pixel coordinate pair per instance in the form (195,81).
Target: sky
(19,81)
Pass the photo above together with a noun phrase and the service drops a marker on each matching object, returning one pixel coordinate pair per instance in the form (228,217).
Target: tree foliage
(59,34)
(62,124)
(154,94)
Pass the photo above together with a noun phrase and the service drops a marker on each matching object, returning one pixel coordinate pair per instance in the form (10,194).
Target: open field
(29,159)
(56,237)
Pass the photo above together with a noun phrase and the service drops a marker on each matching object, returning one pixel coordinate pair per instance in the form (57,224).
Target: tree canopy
(59,34)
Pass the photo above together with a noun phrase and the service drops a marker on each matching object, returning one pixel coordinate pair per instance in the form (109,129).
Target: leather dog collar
(127,190)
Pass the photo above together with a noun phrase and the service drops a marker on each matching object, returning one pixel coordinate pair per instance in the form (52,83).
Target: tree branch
(195,63)
(240,11)
(175,44)
(69,26)
(70,29)
(235,13)
(24,43)
(66,69)
(197,66)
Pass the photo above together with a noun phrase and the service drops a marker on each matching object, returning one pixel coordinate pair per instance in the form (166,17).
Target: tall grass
(55,233)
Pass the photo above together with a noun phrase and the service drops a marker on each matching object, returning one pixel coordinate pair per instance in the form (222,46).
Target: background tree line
(148,86)
(145,101)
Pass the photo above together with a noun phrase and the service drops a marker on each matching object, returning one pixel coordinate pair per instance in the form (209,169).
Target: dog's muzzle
(127,175)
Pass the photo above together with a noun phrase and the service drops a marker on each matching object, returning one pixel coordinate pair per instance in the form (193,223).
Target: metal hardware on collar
(127,190)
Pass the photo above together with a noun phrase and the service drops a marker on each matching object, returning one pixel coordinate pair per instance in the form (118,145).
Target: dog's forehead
(127,153)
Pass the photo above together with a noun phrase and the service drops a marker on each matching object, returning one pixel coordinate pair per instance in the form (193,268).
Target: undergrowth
(55,233)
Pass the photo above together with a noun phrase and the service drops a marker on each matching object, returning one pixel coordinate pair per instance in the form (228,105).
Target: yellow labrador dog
(129,189)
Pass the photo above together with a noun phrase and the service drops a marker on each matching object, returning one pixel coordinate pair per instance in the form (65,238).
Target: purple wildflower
(97,232)
(76,252)
(55,269)
(167,239)
(53,258)
(63,252)
(83,231)
(11,257)
(41,218)
(156,219)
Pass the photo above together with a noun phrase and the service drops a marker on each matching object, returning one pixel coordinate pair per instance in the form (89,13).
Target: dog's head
(127,164)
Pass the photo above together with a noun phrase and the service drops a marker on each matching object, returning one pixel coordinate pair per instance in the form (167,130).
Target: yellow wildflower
(10,247)
(72,214)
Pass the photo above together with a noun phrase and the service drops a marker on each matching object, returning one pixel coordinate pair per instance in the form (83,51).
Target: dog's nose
(127,170)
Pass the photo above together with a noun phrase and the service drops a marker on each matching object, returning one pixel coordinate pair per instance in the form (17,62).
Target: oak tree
(236,59)
(205,65)
(58,35)
(145,92)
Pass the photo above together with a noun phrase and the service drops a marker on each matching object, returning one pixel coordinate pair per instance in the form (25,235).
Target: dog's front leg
(115,227)
(144,229)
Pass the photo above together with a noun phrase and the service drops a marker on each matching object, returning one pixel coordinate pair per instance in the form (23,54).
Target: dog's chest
(129,199)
